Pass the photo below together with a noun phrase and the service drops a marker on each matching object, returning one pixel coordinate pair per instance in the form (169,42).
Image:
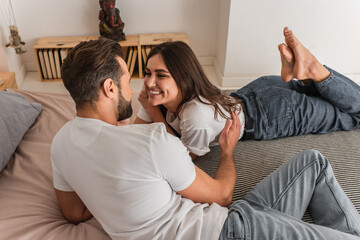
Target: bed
(28,205)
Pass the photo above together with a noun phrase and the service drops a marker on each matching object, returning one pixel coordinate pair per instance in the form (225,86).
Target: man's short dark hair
(88,65)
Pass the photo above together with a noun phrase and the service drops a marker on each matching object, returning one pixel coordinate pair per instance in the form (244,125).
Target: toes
(280,46)
(286,53)
(285,30)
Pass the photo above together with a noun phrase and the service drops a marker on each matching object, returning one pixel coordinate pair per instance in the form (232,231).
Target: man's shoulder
(61,131)
(145,129)
(144,134)
(155,133)
(141,129)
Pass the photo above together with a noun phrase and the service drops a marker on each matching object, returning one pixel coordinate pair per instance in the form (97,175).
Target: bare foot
(287,62)
(306,66)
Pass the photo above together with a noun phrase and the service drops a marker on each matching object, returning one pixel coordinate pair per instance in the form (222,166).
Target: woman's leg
(276,81)
(281,112)
(307,180)
(332,86)
(329,102)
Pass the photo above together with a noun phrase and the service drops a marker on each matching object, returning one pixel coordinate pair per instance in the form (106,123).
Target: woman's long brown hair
(189,76)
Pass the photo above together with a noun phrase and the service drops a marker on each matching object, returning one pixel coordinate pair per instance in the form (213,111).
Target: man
(140,182)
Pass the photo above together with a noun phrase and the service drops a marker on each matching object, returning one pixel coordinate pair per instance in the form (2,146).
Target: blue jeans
(275,207)
(277,109)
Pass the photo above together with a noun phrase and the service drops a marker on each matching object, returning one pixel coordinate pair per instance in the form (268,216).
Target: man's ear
(109,88)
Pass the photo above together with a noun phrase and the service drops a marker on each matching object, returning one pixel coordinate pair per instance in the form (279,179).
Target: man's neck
(96,112)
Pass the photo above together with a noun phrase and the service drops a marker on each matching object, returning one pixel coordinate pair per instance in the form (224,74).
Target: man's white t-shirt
(197,125)
(127,177)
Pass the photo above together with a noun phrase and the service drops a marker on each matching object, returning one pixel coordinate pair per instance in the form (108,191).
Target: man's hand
(219,189)
(230,134)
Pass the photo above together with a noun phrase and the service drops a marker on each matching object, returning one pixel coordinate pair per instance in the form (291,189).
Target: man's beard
(124,108)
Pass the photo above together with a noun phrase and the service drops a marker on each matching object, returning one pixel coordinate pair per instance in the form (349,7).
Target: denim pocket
(275,107)
(235,226)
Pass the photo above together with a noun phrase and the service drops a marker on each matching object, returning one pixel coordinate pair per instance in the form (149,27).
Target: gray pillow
(16,117)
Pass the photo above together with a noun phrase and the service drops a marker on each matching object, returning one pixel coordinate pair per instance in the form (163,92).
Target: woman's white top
(197,124)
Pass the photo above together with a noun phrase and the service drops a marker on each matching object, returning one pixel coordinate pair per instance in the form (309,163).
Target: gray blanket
(257,159)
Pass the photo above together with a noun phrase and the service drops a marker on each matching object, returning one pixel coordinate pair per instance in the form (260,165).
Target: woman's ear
(109,88)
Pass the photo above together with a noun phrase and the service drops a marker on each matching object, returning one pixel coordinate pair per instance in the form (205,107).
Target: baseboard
(231,83)
(218,73)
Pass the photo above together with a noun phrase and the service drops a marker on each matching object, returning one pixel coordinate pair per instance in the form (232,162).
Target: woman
(176,91)
(193,107)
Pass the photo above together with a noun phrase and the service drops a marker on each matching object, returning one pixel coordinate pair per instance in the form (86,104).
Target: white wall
(198,18)
(4,67)
(242,35)
(222,35)
(45,18)
(41,18)
(329,28)
(11,62)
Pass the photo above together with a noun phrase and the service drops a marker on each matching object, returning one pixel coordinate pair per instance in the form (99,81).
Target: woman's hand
(143,97)
(144,100)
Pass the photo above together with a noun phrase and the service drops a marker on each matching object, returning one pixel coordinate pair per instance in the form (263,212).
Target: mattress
(29,208)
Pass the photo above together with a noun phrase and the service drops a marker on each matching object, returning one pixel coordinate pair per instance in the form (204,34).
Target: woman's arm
(140,121)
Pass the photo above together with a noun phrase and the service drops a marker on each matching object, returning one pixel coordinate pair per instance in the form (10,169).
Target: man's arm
(219,189)
(72,207)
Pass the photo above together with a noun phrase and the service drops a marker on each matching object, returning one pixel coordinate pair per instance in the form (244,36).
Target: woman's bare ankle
(319,73)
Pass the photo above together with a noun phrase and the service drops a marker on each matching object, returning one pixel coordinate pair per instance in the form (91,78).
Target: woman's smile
(161,87)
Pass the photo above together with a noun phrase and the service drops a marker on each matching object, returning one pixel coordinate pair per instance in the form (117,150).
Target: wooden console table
(51,51)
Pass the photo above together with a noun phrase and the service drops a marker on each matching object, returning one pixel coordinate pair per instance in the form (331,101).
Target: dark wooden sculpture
(110,26)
